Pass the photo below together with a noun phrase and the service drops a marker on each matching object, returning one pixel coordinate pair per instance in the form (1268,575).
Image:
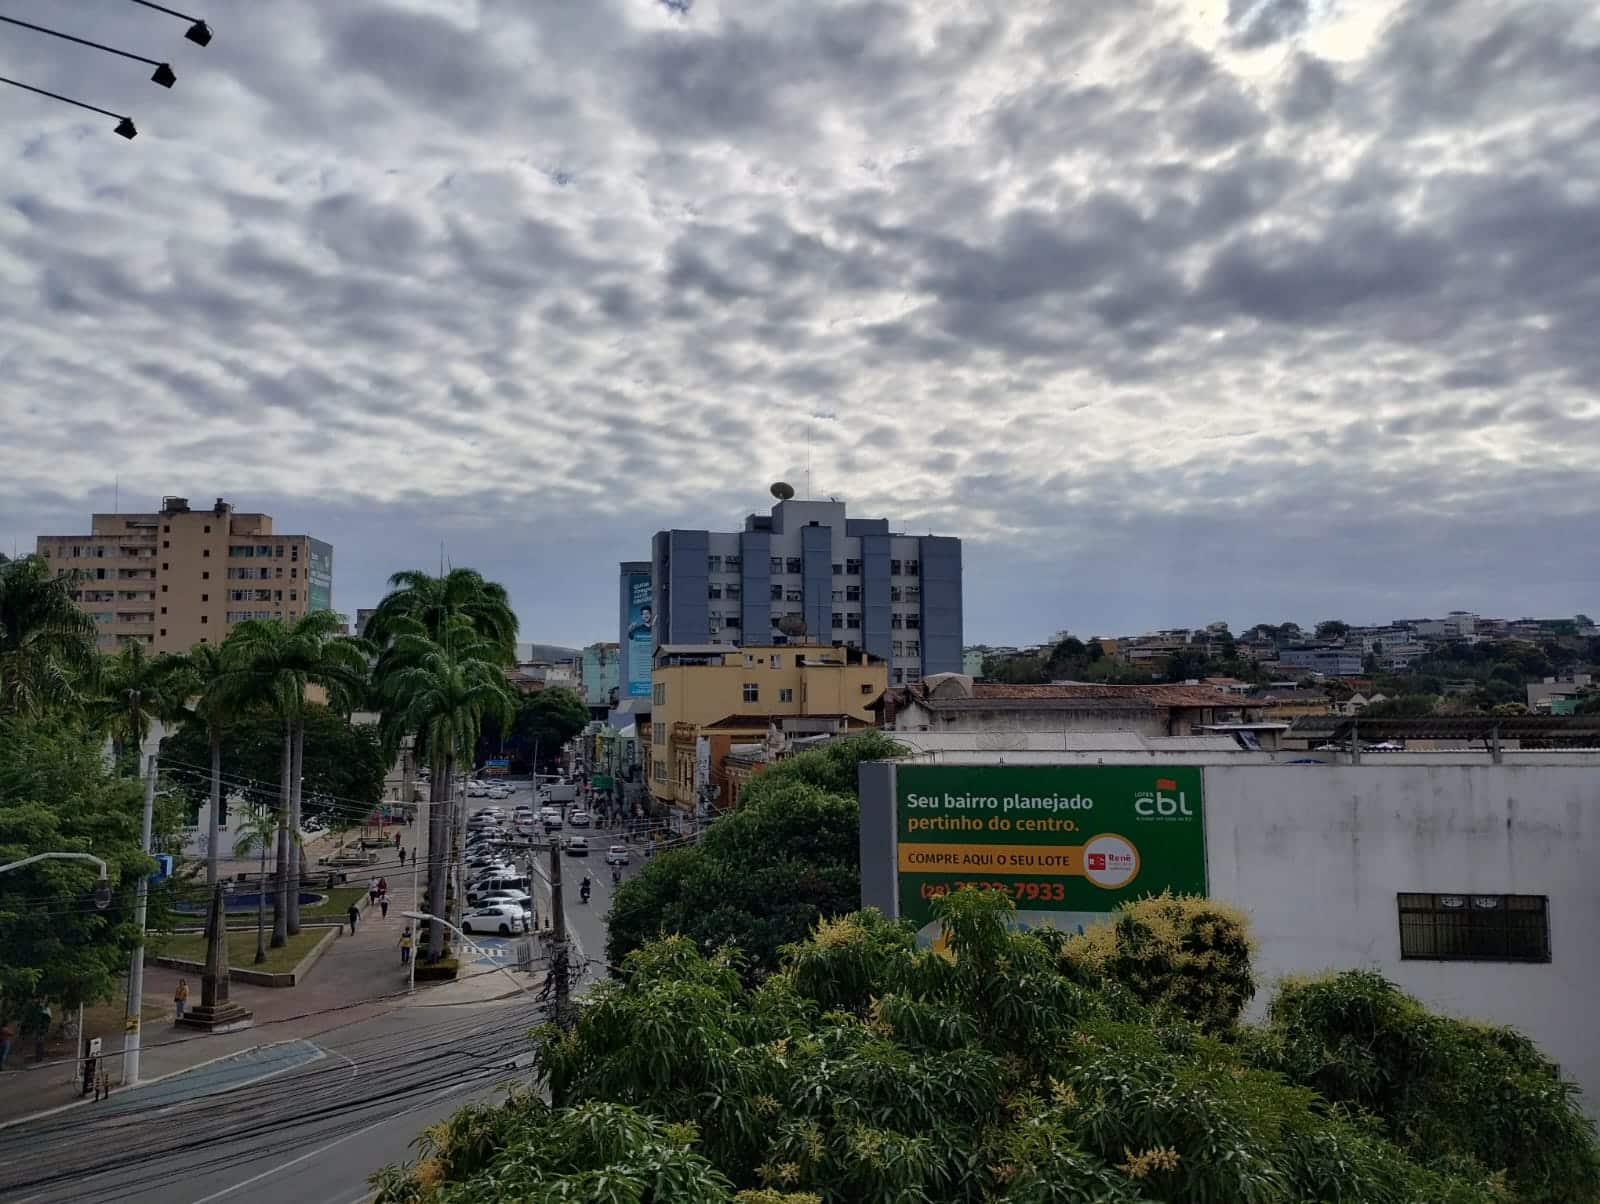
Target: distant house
(1289,704)
(954,702)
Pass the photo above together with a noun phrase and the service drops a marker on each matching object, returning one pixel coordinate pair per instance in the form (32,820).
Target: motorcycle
(583,891)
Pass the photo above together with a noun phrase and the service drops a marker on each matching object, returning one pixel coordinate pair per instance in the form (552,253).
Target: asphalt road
(310,1133)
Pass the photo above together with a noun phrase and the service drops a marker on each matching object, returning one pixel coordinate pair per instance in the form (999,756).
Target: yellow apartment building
(711,689)
(180,577)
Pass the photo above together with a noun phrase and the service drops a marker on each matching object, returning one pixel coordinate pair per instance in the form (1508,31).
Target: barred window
(1496,928)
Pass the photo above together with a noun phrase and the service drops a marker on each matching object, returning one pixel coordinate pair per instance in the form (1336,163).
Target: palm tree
(134,690)
(434,601)
(442,690)
(46,642)
(256,833)
(276,663)
(207,677)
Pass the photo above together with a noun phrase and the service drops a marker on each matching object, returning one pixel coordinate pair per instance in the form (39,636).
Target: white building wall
(1317,855)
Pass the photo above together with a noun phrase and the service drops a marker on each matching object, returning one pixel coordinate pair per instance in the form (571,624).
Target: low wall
(260,978)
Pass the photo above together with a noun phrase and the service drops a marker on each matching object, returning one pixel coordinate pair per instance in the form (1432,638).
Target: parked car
(617,854)
(497,898)
(577,846)
(476,790)
(499,791)
(504,918)
(509,879)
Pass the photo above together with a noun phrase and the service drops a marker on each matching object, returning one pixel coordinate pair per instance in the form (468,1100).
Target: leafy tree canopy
(866,1070)
(57,795)
(344,764)
(1332,629)
(551,717)
(762,875)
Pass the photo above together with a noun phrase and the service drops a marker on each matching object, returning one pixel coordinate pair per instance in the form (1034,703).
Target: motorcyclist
(583,890)
(616,874)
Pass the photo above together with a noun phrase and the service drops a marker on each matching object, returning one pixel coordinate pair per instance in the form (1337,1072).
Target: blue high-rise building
(847,580)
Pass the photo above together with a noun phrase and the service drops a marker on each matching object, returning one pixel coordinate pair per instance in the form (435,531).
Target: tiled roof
(1086,692)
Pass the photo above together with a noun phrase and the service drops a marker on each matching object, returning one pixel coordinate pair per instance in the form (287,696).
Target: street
(308,1119)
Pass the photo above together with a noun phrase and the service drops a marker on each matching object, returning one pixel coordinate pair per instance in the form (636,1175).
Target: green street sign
(1066,843)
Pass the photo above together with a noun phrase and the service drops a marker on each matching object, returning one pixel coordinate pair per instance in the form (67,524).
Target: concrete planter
(259,978)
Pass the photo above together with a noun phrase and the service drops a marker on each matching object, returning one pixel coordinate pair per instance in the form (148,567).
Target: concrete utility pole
(558,923)
(130,1039)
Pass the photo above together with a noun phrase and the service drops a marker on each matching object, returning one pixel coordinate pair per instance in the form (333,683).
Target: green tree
(444,691)
(254,836)
(867,1070)
(548,719)
(1015,670)
(762,875)
(204,679)
(57,795)
(1332,629)
(1406,706)
(46,642)
(435,602)
(134,689)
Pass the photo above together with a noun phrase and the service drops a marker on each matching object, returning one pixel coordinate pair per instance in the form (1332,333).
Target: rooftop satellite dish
(792,626)
(782,490)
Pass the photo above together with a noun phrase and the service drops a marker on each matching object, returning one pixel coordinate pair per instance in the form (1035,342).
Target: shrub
(1444,1089)
(1177,953)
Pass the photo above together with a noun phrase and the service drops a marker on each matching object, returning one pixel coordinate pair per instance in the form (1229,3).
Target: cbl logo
(1150,804)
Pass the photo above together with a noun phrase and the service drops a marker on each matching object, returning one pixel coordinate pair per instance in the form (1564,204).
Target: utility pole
(130,1039)
(558,921)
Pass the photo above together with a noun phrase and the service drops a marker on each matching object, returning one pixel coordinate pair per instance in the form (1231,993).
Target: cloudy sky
(1243,309)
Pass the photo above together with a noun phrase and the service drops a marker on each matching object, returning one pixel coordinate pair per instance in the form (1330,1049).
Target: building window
(733,621)
(838,619)
(794,565)
(866,687)
(166,543)
(775,564)
(838,595)
(163,610)
(207,528)
(660,768)
(714,564)
(852,593)
(785,695)
(913,568)
(205,552)
(165,567)
(899,647)
(913,648)
(163,589)
(164,635)
(913,622)
(294,595)
(897,676)
(167,530)
(205,575)
(714,591)
(205,597)
(733,563)
(896,621)
(894,568)
(1468,928)
(852,568)
(293,574)
(794,595)
(732,592)
(752,692)
(659,697)
(777,593)
(203,619)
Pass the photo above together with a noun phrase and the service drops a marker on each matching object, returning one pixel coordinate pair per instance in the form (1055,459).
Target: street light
(163,74)
(124,124)
(199,32)
(102,888)
(466,940)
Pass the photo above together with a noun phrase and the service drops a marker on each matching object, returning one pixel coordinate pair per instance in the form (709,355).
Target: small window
(775,564)
(163,611)
(733,563)
(838,619)
(294,574)
(853,620)
(660,770)
(752,692)
(203,619)
(714,591)
(777,660)
(794,565)
(165,567)
(913,568)
(163,589)
(660,697)
(206,528)
(1482,928)
(166,543)
(894,568)
(866,687)
(294,595)
(852,568)
(205,575)
(167,530)
(714,564)
(777,593)
(785,695)
(163,633)
(205,597)
(852,593)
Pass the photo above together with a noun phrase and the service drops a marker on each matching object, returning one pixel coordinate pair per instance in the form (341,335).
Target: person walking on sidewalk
(402,857)
(354,914)
(397,840)
(180,998)
(9,1034)
(405,947)
(372,891)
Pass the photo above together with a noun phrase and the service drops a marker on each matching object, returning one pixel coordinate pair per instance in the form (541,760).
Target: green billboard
(1067,843)
(319,593)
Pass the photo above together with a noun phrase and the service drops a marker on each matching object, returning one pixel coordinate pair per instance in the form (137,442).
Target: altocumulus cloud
(1174,311)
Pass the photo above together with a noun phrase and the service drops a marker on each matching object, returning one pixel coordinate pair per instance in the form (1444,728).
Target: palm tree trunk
(438,842)
(295,852)
(280,899)
(261,906)
(214,824)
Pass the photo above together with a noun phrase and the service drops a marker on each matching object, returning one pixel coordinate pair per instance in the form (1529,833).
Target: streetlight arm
(466,940)
(16,865)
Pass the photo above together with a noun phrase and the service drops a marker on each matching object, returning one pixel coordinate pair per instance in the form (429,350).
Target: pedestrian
(355,914)
(7,1036)
(397,840)
(372,890)
(383,905)
(180,997)
(402,857)
(383,887)
(405,945)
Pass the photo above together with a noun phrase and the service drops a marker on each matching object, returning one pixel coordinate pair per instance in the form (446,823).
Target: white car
(504,918)
(617,854)
(577,846)
(579,819)
(476,790)
(504,896)
(499,791)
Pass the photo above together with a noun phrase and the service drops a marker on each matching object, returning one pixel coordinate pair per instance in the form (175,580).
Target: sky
(1251,310)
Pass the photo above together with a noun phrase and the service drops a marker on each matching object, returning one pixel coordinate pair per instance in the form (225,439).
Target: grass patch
(242,949)
(334,906)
